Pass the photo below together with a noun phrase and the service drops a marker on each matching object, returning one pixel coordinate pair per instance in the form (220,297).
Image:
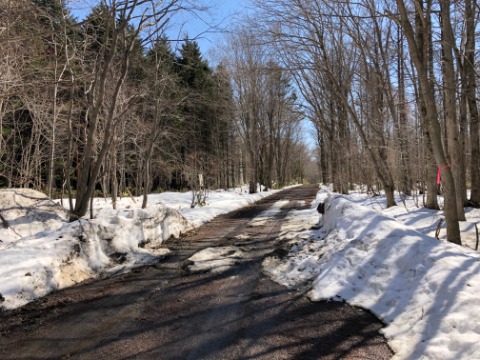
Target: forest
(106,107)
(110,105)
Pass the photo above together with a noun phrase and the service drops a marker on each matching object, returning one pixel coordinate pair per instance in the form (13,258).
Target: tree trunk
(471,93)
(405,173)
(463,131)
(146,183)
(322,157)
(454,149)
(431,176)
(113,177)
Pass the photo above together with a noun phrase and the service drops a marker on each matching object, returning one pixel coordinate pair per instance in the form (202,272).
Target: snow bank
(426,291)
(42,261)
(27,212)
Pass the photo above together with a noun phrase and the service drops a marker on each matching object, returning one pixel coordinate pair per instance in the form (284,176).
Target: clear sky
(206,27)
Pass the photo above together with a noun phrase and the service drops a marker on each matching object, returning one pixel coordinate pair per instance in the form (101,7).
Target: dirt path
(165,312)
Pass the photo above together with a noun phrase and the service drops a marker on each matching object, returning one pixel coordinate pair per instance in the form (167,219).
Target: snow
(384,260)
(216,260)
(40,251)
(424,290)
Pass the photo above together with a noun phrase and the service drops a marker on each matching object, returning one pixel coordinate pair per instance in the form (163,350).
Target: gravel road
(165,311)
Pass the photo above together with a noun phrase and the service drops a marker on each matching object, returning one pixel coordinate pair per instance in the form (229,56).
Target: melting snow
(384,260)
(425,290)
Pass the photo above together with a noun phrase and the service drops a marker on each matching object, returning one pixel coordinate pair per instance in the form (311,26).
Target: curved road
(166,312)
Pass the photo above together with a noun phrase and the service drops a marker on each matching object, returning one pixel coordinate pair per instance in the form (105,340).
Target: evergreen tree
(197,110)
(53,11)
(160,114)
(224,133)
(194,71)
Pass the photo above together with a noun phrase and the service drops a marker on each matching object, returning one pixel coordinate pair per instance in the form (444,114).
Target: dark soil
(165,312)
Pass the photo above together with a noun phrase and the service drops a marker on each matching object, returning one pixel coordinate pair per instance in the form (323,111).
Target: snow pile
(426,291)
(129,229)
(50,260)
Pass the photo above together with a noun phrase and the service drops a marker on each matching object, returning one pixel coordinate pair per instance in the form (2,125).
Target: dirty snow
(384,260)
(425,290)
(40,251)
(215,259)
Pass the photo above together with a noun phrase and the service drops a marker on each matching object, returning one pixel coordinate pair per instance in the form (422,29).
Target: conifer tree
(197,110)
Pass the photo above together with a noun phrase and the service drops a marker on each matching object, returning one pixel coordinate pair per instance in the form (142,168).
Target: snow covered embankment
(41,251)
(426,291)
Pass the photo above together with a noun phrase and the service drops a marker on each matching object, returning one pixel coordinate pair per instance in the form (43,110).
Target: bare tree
(247,82)
(401,121)
(450,105)
(124,21)
(267,112)
(431,113)
(329,45)
(471,93)
(22,127)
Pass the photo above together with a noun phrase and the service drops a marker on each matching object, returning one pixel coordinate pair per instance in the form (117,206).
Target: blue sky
(206,27)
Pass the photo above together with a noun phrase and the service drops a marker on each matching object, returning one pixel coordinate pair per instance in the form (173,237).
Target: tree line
(391,87)
(109,104)
(106,105)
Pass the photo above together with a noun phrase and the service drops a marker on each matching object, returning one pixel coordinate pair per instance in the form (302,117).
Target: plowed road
(165,312)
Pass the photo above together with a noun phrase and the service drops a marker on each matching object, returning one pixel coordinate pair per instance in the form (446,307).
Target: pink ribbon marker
(439,172)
